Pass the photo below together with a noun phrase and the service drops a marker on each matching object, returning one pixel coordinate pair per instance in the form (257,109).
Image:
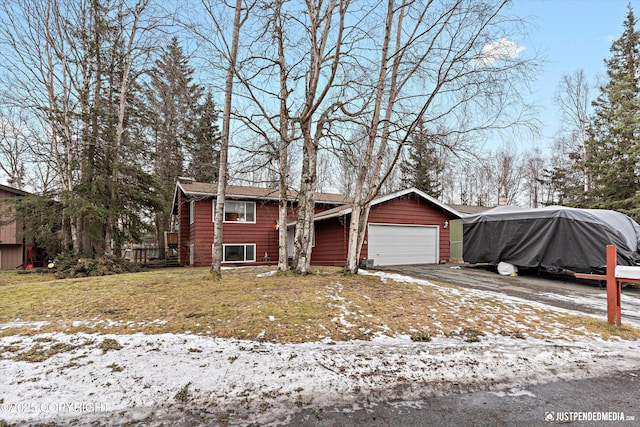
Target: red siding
(262,233)
(331,234)
(331,239)
(411,209)
(184,232)
(201,233)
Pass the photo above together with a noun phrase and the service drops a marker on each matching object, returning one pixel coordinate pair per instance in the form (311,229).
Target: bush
(68,266)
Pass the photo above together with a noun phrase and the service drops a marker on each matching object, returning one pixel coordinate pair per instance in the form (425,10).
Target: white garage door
(403,244)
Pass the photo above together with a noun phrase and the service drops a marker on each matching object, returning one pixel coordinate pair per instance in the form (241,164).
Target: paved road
(557,291)
(616,397)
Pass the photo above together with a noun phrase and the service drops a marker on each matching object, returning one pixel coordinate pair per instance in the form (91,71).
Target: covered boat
(554,238)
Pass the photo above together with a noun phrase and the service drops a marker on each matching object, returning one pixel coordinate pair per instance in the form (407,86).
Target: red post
(613,288)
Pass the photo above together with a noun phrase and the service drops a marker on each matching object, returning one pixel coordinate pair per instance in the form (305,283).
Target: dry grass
(279,308)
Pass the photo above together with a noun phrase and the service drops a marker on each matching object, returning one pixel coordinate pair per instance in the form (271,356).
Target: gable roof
(345,210)
(13,190)
(208,190)
(466,210)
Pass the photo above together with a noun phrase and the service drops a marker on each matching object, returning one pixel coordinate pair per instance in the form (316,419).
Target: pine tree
(423,168)
(614,144)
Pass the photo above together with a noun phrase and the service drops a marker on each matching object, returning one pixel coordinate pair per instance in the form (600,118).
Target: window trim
(245,252)
(224,213)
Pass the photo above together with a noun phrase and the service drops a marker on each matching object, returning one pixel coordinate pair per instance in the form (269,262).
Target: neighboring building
(456,229)
(406,227)
(12,248)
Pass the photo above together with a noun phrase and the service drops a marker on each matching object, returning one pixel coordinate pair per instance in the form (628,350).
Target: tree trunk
(216,260)
(283,255)
(303,245)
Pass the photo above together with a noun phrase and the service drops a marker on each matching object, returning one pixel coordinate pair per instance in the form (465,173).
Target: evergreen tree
(424,166)
(173,100)
(614,144)
(204,150)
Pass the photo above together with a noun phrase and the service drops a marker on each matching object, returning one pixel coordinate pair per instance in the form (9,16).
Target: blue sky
(572,35)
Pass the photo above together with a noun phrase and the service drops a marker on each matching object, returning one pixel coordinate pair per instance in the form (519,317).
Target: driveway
(563,292)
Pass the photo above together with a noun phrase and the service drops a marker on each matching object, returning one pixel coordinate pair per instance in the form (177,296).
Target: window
(237,211)
(192,211)
(192,253)
(239,253)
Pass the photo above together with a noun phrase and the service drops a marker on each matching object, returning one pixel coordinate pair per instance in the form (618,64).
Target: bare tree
(319,74)
(508,175)
(230,53)
(287,77)
(572,97)
(533,167)
(14,147)
(459,54)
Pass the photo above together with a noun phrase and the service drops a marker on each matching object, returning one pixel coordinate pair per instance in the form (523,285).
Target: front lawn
(248,304)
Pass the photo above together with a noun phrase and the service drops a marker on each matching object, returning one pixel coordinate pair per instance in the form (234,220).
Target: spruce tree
(614,145)
(173,99)
(423,167)
(204,149)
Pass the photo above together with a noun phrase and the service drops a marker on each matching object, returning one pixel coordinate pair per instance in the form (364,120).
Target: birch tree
(288,78)
(458,53)
(229,51)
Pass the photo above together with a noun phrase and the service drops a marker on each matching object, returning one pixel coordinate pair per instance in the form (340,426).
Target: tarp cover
(552,238)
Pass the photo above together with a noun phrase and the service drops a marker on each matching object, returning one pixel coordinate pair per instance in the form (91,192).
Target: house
(250,220)
(405,227)
(12,247)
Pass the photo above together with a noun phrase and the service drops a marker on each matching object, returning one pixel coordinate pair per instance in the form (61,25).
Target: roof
(208,190)
(13,190)
(345,210)
(469,210)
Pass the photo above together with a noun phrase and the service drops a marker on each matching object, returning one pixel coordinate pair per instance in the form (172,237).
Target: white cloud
(501,50)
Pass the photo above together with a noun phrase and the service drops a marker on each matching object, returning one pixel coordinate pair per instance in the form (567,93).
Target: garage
(395,244)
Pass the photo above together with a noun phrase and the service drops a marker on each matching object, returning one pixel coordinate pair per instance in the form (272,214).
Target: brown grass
(279,308)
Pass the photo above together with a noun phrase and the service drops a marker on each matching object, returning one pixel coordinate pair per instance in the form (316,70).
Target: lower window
(239,253)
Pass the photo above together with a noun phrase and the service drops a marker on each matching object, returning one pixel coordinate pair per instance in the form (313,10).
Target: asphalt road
(603,401)
(557,291)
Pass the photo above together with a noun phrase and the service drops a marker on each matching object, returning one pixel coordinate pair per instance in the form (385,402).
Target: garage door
(391,244)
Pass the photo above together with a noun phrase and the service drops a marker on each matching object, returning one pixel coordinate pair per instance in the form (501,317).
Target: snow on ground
(117,378)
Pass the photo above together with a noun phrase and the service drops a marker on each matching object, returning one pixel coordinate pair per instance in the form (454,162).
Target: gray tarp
(551,238)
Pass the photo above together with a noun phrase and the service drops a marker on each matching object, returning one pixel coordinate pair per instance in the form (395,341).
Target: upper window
(192,211)
(238,211)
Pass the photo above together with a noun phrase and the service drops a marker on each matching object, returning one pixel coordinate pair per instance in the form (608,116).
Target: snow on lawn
(79,378)
(630,303)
